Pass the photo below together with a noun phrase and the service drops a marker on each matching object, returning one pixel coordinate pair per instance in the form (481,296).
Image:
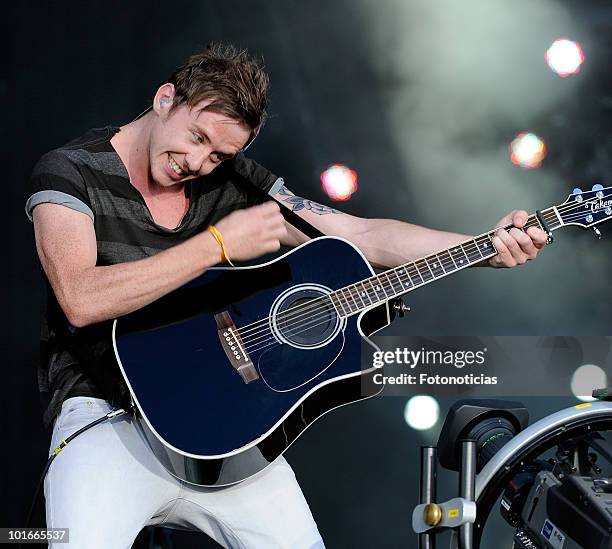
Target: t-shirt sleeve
(56,179)
(257,174)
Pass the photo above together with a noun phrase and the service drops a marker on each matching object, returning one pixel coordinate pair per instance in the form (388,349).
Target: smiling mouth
(175,167)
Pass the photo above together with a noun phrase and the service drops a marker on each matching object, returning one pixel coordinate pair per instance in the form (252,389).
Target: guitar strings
(325,317)
(406,283)
(313,304)
(384,286)
(305,310)
(304,328)
(470,247)
(314,321)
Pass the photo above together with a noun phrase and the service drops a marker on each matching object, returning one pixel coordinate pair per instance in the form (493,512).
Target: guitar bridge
(234,349)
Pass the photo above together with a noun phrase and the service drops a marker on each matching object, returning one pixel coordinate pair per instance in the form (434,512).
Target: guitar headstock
(587,208)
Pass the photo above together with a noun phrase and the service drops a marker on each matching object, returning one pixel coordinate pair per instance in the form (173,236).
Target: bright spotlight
(422,412)
(339,182)
(564,57)
(587,378)
(527,150)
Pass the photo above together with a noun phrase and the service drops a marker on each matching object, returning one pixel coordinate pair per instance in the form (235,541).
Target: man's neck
(132,146)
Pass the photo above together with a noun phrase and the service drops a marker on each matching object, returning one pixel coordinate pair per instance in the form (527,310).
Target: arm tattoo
(297,203)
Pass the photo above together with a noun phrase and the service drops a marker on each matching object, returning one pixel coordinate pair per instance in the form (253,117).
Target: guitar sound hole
(306,318)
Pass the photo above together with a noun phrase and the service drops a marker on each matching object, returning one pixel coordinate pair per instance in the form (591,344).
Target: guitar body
(210,424)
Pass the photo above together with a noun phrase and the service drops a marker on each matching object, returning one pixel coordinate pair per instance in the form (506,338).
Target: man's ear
(162,102)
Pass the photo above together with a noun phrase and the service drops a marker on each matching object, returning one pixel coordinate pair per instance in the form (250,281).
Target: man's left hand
(516,246)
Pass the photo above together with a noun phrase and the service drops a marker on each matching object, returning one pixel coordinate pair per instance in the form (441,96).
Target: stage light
(422,412)
(564,57)
(339,182)
(527,150)
(585,379)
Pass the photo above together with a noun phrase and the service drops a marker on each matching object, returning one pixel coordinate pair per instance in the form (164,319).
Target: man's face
(190,143)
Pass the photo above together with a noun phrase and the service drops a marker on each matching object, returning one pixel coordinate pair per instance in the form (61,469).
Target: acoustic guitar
(228,370)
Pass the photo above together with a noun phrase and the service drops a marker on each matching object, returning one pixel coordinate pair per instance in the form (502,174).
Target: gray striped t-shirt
(88,176)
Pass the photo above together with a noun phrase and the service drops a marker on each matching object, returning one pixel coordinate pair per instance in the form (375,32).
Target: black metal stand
(428,489)
(467,488)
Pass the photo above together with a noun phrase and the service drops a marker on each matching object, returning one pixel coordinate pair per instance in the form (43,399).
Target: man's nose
(196,159)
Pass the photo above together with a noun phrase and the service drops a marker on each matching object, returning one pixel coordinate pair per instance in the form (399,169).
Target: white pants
(107,485)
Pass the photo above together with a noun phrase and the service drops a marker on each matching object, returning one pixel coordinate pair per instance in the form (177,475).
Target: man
(121,218)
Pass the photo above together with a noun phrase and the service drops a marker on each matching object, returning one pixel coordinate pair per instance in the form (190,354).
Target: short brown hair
(236,81)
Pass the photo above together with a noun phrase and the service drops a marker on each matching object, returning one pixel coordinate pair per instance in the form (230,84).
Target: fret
(331,299)
(471,251)
(359,302)
(357,299)
(552,218)
(359,294)
(458,256)
(433,276)
(485,247)
(348,300)
(473,256)
(394,290)
(450,253)
(342,302)
(479,247)
(417,272)
(382,284)
(403,273)
(441,263)
(447,265)
(404,284)
(338,305)
(345,304)
(434,266)
(370,290)
(425,274)
(366,293)
(377,289)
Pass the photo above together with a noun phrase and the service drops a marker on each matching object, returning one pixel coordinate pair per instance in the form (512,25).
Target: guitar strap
(289,215)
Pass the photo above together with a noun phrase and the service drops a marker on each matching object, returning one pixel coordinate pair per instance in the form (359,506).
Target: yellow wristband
(219,238)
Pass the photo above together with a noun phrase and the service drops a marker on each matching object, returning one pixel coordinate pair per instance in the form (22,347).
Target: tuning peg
(597,187)
(577,191)
(597,233)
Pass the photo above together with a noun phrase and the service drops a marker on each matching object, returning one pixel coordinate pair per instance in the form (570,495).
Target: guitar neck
(397,281)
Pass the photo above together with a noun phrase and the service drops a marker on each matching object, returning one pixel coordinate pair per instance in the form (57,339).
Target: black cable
(63,444)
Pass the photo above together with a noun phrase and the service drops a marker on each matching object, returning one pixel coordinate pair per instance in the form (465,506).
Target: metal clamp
(454,513)
(458,514)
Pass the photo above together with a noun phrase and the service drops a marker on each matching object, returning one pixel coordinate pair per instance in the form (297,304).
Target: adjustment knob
(432,514)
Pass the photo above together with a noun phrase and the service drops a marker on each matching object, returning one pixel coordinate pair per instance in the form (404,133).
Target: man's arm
(66,245)
(389,243)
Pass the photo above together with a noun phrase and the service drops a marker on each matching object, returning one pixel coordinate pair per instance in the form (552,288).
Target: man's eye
(197,137)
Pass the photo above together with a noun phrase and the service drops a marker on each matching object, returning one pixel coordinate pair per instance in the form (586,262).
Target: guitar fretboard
(405,278)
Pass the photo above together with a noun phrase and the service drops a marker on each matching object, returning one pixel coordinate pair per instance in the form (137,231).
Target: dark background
(348,85)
